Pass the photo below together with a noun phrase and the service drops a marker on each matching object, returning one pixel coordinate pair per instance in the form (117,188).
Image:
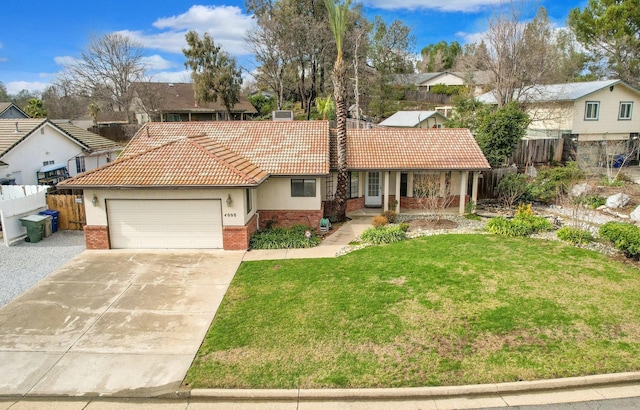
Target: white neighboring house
(589,111)
(415,119)
(27,145)
(596,116)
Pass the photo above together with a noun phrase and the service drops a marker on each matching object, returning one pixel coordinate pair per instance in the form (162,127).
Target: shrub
(379,220)
(524,223)
(283,238)
(625,237)
(554,182)
(512,188)
(575,236)
(385,234)
(592,201)
(390,215)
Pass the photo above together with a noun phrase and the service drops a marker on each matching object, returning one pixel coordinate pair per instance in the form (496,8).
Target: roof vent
(170,84)
(282,115)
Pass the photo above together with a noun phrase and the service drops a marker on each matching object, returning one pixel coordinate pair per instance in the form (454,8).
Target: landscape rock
(579,190)
(635,215)
(617,200)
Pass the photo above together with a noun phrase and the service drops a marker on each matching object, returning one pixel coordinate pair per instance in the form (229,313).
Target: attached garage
(165,224)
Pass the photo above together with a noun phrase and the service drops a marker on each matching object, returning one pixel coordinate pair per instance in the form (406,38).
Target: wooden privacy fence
(537,151)
(71,208)
(489,181)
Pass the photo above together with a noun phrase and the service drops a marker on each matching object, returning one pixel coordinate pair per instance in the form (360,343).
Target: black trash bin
(54,215)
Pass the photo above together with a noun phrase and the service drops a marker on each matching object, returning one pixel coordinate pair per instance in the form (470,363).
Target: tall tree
(520,55)
(391,47)
(610,31)
(4,96)
(439,57)
(338,21)
(214,72)
(35,108)
(61,102)
(107,68)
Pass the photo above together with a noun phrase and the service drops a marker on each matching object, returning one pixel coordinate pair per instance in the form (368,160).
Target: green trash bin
(35,227)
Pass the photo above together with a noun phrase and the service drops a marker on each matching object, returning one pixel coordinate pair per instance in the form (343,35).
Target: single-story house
(9,110)
(170,102)
(213,184)
(29,144)
(476,80)
(415,119)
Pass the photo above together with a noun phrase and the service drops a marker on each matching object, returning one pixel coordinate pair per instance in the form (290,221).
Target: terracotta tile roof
(280,148)
(412,149)
(179,97)
(187,161)
(91,140)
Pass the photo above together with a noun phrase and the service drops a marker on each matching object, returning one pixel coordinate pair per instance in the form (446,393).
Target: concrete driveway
(115,323)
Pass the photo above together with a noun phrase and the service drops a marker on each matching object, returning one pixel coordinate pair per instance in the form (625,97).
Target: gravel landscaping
(24,263)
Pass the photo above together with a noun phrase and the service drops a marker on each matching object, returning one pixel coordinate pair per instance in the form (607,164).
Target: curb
(417,392)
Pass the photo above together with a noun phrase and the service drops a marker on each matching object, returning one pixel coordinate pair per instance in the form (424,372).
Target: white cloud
(14,87)
(64,60)
(227,25)
(156,62)
(467,6)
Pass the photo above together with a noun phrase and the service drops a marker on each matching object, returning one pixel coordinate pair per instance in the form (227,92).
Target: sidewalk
(328,248)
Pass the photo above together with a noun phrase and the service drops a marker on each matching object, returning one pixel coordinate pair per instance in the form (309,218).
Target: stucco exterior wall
(44,144)
(275,194)
(232,215)
(552,116)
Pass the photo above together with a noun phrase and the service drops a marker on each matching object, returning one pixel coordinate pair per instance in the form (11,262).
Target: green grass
(440,310)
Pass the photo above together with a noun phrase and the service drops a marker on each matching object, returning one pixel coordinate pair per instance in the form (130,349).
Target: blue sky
(37,37)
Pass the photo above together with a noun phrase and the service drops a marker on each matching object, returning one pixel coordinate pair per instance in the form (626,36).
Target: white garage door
(165,224)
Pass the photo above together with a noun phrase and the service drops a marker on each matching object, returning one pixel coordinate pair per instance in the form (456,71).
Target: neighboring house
(213,184)
(415,119)
(477,80)
(586,112)
(28,145)
(175,102)
(9,110)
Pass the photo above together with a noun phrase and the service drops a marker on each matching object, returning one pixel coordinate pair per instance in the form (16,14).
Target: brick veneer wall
(414,203)
(236,238)
(96,237)
(355,204)
(287,219)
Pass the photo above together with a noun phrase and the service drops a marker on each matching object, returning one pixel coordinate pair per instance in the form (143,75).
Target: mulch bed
(431,224)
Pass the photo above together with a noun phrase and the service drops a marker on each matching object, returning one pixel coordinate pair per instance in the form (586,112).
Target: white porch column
(464,179)
(410,184)
(398,182)
(474,190)
(387,175)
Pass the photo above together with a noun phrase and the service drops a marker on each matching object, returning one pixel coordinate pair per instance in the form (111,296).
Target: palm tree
(338,21)
(325,106)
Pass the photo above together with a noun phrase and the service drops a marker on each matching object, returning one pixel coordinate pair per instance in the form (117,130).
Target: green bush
(391,216)
(554,182)
(512,188)
(385,234)
(575,236)
(283,238)
(521,225)
(592,201)
(625,237)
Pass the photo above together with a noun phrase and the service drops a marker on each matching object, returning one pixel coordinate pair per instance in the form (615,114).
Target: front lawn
(439,310)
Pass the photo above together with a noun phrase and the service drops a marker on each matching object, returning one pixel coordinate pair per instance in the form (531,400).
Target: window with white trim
(354,184)
(626,107)
(248,195)
(592,110)
(80,167)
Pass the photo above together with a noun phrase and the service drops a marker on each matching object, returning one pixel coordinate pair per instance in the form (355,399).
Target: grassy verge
(441,310)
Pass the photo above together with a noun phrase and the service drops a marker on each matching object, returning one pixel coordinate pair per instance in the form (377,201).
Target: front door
(373,196)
